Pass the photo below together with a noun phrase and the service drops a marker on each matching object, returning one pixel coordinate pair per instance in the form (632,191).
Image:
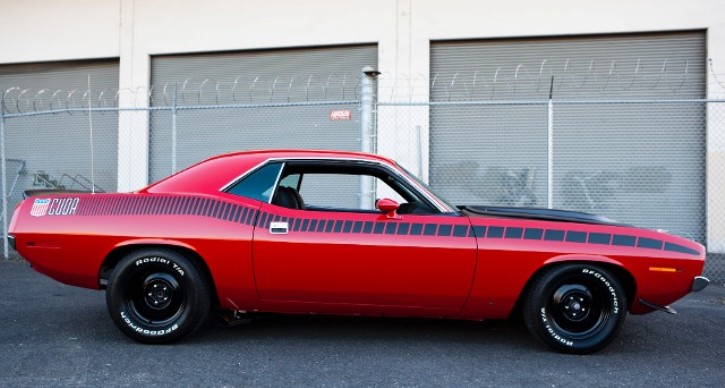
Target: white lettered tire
(575,308)
(157,296)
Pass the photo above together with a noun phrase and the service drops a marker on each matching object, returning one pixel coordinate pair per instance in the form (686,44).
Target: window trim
(420,191)
(276,181)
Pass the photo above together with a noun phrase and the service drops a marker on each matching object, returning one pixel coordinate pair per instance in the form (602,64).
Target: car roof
(209,175)
(298,153)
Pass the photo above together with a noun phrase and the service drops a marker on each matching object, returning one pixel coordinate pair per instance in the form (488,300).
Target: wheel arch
(122,250)
(611,265)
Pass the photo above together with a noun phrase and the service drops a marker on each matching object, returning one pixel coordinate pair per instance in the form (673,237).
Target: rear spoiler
(42,192)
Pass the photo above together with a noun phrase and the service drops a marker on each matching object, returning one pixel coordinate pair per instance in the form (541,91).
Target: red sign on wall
(341,114)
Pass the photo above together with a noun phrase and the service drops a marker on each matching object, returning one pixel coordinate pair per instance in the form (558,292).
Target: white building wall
(135,30)
(39,31)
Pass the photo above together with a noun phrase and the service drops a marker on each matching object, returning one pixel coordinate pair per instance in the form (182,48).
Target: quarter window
(258,185)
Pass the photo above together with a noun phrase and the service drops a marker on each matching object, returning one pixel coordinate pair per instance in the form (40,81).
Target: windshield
(428,189)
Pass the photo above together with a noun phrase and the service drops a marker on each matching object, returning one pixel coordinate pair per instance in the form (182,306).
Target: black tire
(575,308)
(157,296)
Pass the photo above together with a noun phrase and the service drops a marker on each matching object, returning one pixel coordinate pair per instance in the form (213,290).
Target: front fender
(582,258)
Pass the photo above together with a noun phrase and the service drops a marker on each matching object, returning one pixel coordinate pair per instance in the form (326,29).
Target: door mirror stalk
(389,207)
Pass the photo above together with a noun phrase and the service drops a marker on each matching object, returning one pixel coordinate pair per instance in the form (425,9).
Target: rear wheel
(575,308)
(157,296)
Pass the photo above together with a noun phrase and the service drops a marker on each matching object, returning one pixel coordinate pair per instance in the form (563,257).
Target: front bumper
(699,283)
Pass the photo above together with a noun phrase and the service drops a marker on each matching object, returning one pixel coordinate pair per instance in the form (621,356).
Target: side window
(258,185)
(338,191)
(291,181)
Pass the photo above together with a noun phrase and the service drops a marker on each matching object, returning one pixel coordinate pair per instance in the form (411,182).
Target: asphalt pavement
(57,335)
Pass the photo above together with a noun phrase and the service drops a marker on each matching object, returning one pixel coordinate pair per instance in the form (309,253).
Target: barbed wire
(489,83)
(603,78)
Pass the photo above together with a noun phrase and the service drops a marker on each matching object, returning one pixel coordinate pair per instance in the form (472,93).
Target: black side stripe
(444,230)
(430,229)
(494,232)
(232,212)
(672,247)
(403,228)
(368,228)
(533,234)
(600,238)
(390,228)
(649,243)
(514,233)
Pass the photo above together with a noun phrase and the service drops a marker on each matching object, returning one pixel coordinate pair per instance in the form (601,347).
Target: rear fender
(154,241)
(116,253)
(121,249)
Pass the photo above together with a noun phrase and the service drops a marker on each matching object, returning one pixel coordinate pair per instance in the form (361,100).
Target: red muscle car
(285,231)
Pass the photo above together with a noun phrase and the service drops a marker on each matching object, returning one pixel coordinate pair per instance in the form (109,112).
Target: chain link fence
(57,150)
(656,164)
(183,136)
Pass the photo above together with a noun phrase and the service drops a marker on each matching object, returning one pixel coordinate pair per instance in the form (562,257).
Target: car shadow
(369,330)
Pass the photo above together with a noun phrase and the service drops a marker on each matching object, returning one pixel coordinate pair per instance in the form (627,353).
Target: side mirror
(388,206)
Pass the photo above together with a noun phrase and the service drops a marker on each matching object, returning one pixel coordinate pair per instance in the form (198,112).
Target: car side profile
(285,231)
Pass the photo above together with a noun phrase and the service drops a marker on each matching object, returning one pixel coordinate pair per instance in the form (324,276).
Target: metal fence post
(3,167)
(173,133)
(550,149)
(367,99)
(419,148)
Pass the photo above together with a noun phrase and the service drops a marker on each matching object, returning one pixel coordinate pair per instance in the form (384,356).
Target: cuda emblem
(54,207)
(40,207)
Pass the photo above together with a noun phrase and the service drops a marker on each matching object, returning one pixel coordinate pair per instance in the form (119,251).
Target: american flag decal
(40,207)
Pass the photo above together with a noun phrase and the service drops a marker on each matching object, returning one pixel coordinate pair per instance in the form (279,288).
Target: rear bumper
(699,283)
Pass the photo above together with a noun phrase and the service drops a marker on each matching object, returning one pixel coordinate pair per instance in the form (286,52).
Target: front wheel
(575,308)
(157,296)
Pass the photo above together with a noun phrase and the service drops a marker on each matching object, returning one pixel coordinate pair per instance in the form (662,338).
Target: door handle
(279,228)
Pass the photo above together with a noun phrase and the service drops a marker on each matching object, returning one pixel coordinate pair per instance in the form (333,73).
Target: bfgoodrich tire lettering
(157,296)
(575,308)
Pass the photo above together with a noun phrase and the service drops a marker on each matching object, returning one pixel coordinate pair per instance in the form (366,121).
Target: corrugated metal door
(49,150)
(640,163)
(300,79)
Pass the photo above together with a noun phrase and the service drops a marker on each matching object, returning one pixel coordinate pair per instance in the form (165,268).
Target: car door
(361,257)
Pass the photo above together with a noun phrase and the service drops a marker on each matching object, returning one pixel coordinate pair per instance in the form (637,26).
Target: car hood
(537,214)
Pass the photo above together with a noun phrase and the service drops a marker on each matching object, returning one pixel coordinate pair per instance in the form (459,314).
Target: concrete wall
(36,30)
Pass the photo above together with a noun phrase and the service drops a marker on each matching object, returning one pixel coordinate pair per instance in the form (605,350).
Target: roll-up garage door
(640,162)
(287,98)
(53,150)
